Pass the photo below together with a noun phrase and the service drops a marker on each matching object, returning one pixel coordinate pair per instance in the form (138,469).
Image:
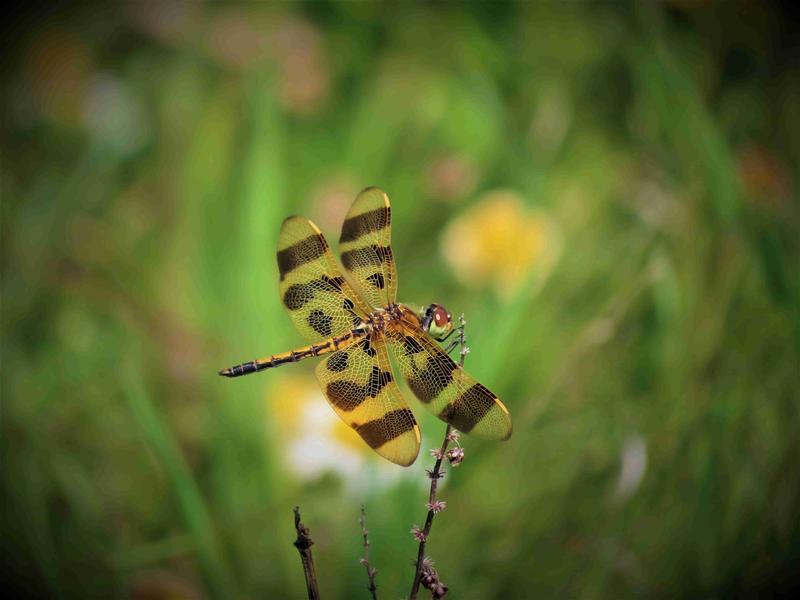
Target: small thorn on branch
(433,473)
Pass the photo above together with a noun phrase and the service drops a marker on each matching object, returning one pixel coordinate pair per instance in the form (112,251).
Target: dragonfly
(355,323)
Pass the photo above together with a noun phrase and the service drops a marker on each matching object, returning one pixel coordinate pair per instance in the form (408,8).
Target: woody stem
(435,475)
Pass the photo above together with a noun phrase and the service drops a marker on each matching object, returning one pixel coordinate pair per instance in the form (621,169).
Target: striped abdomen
(276,360)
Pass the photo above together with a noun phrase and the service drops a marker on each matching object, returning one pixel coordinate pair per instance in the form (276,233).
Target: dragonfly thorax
(380,318)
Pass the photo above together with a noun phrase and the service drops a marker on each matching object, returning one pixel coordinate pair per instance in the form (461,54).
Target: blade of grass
(684,119)
(246,468)
(191,504)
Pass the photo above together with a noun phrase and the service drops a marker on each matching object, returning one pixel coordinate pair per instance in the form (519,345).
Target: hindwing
(359,384)
(444,388)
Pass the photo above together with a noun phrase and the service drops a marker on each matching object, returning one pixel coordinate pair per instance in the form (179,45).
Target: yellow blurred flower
(501,242)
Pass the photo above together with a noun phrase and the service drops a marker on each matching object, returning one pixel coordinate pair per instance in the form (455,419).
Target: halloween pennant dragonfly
(360,328)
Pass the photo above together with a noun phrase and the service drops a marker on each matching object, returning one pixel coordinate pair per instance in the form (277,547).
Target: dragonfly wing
(365,247)
(320,301)
(359,385)
(446,389)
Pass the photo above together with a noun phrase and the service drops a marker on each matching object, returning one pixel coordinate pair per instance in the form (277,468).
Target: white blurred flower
(633,459)
(318,441)
(316,449)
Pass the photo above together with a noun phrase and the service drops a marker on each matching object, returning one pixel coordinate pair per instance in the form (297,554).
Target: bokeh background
(608,191)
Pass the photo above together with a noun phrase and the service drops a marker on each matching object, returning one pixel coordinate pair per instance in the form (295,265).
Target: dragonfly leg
(452,346)
(462,338)
(450,334)
(455,330)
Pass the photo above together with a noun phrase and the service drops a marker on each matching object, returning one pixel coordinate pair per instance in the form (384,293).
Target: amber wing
(319,300)
(365,247)
(446,389)
(359,385)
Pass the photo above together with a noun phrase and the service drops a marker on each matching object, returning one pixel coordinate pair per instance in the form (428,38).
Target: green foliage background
(149,154)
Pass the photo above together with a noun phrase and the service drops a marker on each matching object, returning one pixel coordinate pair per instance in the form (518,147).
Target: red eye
(440,316)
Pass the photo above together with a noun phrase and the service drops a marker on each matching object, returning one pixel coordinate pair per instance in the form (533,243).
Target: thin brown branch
(303,544)
(422,536)
(373,589)
(423,565)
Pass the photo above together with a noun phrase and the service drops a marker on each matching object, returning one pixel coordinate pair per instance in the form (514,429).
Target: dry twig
(373,589)
(424,572)
(303,544)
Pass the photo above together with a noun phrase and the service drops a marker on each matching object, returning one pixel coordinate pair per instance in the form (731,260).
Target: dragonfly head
(437,321)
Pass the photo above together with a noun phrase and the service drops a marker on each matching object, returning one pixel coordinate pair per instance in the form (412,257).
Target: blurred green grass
(149,154)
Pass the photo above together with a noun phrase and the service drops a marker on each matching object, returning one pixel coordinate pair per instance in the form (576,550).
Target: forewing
(320,301)
(445,388)
(365,247)
(359,385)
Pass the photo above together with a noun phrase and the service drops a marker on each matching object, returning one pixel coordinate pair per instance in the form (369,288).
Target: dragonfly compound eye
(440,316)
(441,322)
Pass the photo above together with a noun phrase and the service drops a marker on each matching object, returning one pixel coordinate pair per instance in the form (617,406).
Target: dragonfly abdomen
(276,360)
